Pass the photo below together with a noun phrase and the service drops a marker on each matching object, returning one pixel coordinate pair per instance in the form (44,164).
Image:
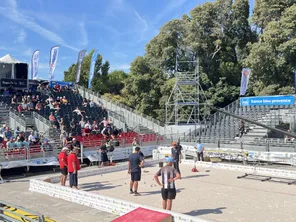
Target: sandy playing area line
(216,195)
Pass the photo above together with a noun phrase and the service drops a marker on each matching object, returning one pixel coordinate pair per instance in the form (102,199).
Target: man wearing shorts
(169,175)
(135,163)
(63,165)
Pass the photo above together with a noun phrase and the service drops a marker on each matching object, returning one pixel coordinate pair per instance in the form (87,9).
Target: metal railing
(131,116)
(15,120)
(41,124)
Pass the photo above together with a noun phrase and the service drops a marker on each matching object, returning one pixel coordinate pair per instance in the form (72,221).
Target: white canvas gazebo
(7,66)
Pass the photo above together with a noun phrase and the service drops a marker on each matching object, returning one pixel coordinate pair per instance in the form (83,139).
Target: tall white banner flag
(54,52)
(35,64)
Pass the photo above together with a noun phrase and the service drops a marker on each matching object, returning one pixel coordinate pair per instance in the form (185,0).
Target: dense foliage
(224,38)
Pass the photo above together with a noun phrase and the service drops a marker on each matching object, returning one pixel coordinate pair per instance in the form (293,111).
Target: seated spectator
(30,105)
(58,100)
(104,121)
(88,124)
(75,143)
(17,131)
(52,119)
(85,103)
(46,147)
(38,106)
(106,132)
(95,128)
(20,108)
(2,130)
(26,143)
(49,100)
(7,133)
(25,106)
(14,100)
(58,88)
(86,131)
(64,100)
(10,144)
(31,137)
(82,123)
(91,104)
(18,143)
(115,133)
(78,111)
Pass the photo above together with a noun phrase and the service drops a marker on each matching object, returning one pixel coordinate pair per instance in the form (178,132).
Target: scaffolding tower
(183,104)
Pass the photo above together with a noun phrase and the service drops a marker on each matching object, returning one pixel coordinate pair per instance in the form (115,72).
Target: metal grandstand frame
(183,104)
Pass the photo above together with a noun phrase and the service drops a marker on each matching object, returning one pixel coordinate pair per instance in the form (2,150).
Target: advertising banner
(15,83)
(268,101)
(52,84)
(81,56)
(54,52)
(245,81)
(34,64)
(92,68)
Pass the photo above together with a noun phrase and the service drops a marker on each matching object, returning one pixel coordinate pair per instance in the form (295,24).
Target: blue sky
(119,29)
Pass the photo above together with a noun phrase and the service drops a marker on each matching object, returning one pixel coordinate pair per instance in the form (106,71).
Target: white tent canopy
(8,59)
(7,68)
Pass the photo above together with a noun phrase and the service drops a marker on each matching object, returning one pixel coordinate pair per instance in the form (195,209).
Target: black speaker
(21,71)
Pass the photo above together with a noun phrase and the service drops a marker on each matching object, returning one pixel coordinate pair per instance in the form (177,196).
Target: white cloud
(84,36)
(43,66)
(21,36)
(141,21)
(171,7)
(15,15)
(124,66)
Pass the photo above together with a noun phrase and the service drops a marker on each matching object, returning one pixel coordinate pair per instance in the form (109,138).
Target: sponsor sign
(15,83)
(268,101)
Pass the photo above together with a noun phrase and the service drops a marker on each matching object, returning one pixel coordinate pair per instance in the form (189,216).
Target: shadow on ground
(196,176)
(206,211)
(96,186)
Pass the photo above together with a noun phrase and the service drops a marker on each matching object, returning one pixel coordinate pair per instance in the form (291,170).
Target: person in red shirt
(63,165)
(86,131)
(73,167)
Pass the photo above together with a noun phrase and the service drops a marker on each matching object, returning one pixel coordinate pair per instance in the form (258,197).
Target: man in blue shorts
(135,163)
(169,175)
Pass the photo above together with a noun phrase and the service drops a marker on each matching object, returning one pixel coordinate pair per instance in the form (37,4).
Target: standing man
(135,163)
(169,176)
(63,165)
(73,167)
(200,149)
(176,155)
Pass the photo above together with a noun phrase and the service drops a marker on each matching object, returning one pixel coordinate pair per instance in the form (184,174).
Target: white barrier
(244,169)
(237,154)
(100,202)
(43,161)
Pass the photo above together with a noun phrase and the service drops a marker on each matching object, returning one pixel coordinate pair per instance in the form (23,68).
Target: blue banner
(34,64)
(92,68)
(52,84)
(54,52)
(268,101)
(245,81)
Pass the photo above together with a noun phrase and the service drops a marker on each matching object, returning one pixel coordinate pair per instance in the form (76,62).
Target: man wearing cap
(176,155)
(169,175)
(73,167)
(63,165)
(135,163)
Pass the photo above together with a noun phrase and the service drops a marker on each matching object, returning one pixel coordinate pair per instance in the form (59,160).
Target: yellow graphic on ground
(22,215)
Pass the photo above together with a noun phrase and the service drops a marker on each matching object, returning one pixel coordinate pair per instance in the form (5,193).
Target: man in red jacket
(73,167)
(63,165)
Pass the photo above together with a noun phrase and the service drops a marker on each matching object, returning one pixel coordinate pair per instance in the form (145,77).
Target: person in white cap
(64,165)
